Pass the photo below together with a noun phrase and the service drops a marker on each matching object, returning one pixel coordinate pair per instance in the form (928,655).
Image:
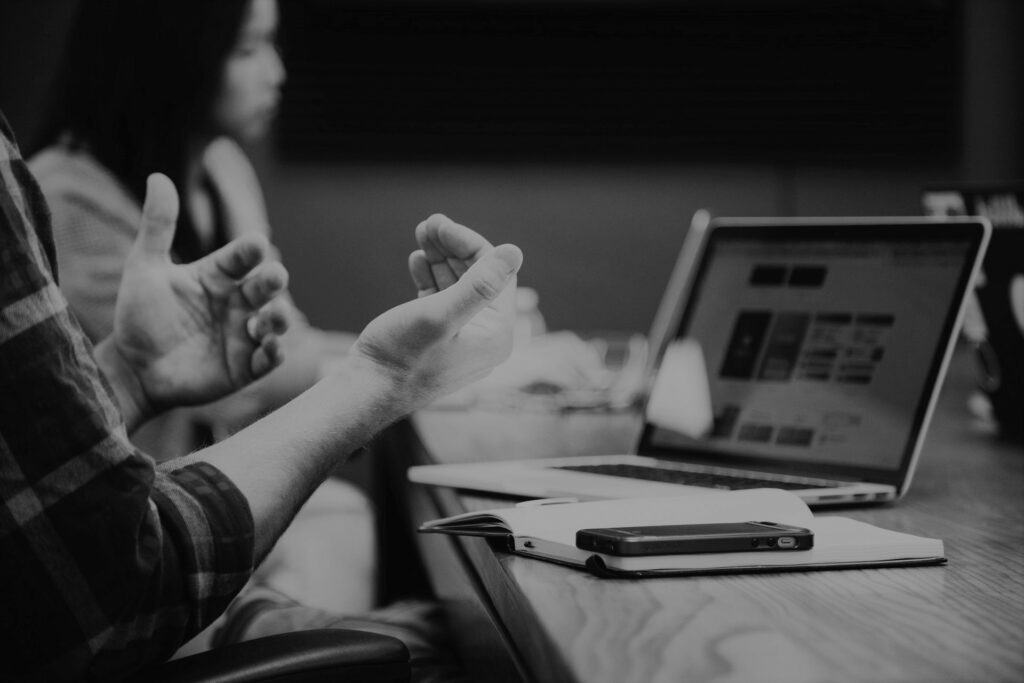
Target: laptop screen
(820,344)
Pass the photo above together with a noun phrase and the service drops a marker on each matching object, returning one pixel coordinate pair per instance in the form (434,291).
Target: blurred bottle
(529,320)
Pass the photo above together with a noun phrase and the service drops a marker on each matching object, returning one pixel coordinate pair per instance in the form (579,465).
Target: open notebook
(802,354)
(548,532)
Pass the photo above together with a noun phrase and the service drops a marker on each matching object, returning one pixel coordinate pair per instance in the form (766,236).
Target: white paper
(681,399)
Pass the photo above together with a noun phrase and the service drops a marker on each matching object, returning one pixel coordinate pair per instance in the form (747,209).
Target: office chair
(338,655)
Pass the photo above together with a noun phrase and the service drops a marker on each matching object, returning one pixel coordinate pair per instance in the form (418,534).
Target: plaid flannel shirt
(107,565)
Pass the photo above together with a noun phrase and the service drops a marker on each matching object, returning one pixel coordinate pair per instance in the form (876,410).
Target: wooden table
(521,619)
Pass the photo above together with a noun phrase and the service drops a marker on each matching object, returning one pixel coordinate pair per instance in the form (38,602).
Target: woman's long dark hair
(136,84)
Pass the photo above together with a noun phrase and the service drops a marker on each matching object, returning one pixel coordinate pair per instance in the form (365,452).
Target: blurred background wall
(751,126)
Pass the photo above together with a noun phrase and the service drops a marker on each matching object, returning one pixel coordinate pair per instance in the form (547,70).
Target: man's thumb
(482,283)
(159,216)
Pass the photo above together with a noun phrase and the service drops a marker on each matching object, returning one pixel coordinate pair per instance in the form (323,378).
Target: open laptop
(820,346)
(994,319)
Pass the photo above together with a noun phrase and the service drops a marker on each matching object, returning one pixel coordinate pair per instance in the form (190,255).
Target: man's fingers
(264,283)
(233,261)
(449,248)
(441,272)
(159,216)
(271,319)
(422,276)
(441,237)
(481,284)
(266,357)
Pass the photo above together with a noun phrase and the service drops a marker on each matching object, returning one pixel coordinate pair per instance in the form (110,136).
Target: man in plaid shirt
(107,564)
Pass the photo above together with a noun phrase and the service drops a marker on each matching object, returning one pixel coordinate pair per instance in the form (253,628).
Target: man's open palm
(461,324)
(191,333)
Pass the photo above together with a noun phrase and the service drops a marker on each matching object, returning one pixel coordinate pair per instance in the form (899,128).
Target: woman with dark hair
(144,86)
(169,86)
(176,86)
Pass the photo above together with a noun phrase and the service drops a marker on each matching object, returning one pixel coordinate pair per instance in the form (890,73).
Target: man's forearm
(279,460)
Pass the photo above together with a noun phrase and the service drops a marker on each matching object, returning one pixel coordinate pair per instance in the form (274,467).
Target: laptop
(810,353)
(994,319)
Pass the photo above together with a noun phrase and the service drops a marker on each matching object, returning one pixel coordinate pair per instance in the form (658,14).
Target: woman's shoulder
(231,172)
(229,167)
(224,154)
(74,177)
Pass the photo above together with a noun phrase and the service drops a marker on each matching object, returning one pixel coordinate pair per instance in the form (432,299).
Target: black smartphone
(676,539)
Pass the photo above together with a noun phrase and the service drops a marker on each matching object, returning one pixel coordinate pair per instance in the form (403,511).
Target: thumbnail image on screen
(819,350)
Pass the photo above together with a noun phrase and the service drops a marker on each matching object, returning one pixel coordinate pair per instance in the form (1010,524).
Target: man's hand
(190,333)
(456,331)
(461,325)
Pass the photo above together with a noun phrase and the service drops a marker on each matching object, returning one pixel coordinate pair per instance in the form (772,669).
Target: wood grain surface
(960,622)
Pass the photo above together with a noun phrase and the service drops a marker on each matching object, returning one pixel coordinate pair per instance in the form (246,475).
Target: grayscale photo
(512,341)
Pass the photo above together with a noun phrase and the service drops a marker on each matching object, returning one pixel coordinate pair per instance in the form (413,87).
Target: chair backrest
(306,656)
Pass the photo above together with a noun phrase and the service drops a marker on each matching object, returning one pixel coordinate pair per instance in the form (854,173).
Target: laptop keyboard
(706,479)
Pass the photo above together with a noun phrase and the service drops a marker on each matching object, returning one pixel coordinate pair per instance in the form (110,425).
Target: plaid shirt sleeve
(106,564)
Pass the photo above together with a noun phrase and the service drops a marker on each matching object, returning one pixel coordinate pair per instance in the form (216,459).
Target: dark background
(588,131)
(744,80)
